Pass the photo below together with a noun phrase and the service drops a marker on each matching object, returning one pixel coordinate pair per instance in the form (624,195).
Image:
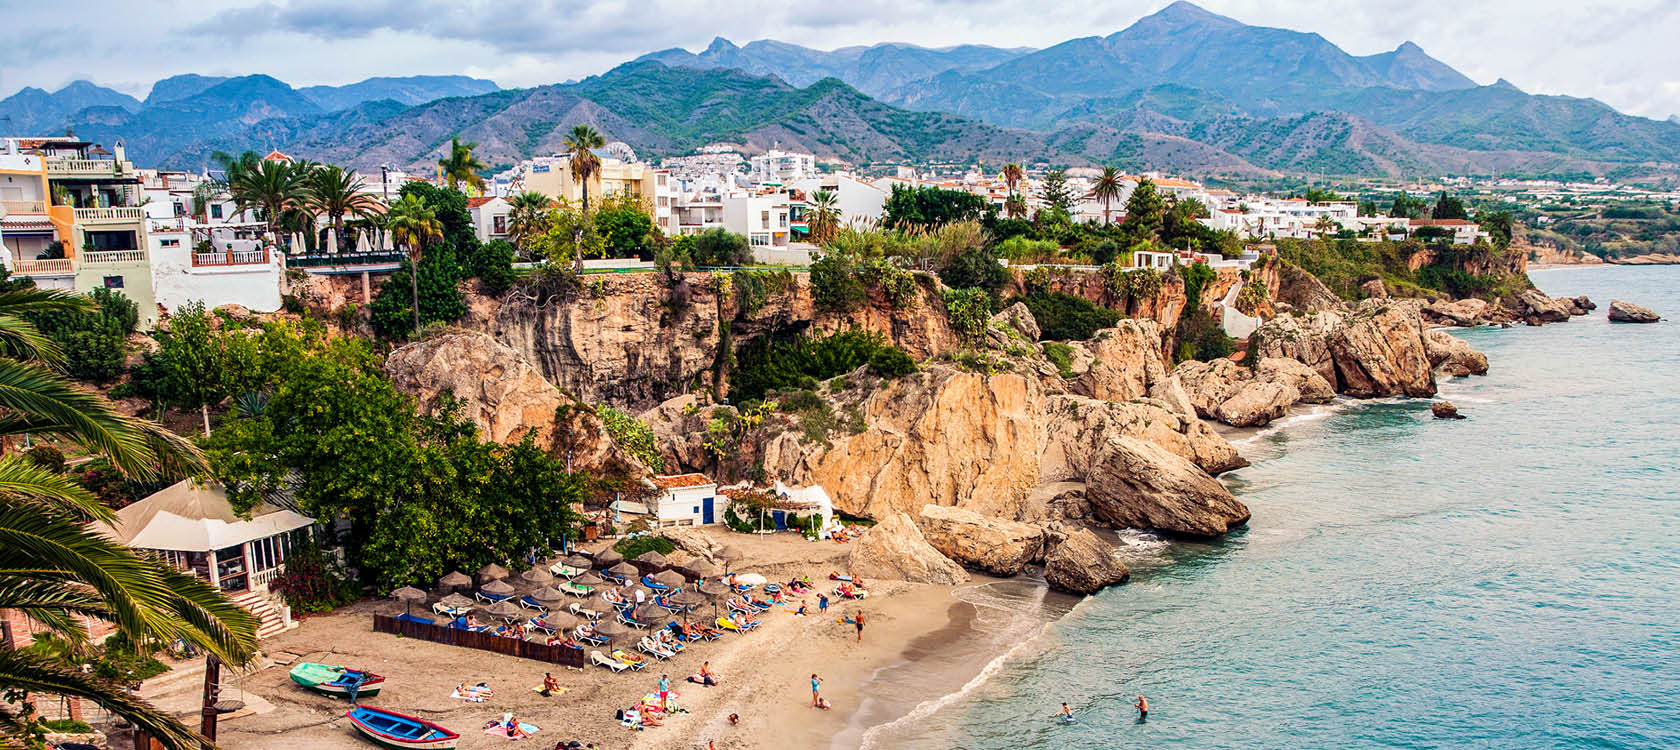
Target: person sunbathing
(742,621)
(549,684)
(668,641)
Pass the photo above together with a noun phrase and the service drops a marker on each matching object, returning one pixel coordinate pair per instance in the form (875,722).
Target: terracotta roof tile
(680,480)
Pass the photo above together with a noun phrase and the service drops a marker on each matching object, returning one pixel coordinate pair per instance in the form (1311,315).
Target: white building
(489,217)
(854,198)
(763,217)
(776,167)
(1463,232)
(685,500)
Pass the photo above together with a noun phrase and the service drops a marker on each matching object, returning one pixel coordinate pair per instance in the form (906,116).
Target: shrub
(123,660)
(1201,338)
(493,265)
(1023,250)
(891,362)
(66,726)
(765,365)
(634,436)
(721,247)
(975,269)
(835,286)
(635,547)
(969,311)
(47,457)
(802,400)
(93,343)
(313,581)
(1196,277)
(1251,298)
(1068,317)
(1060,355)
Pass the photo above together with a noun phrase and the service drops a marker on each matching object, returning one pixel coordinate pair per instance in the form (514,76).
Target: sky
(1625,53)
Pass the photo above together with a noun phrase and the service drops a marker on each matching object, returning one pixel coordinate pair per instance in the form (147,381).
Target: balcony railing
(25,207)
(83,167)
(264,577)
(42,267)
(317,260)
(110,214)
(115,256)
(231,258)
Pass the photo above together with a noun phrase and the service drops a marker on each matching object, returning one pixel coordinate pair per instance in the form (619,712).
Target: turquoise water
(1510,580)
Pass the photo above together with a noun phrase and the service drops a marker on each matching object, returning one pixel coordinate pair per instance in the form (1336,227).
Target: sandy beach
(765,674)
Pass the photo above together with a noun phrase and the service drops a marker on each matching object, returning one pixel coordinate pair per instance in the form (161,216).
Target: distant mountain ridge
(874,69)
(33,111)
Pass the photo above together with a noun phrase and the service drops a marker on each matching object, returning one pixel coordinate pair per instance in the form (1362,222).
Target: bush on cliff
(975,269)
(765,365)
(440,297)
(493,265)
(1065,317)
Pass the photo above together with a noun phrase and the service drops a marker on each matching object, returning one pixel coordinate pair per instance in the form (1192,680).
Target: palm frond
(55,406)
(21,479)
(42,674)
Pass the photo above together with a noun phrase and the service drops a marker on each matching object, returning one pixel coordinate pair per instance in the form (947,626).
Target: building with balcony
(73,218)
(775,167)
(552,176)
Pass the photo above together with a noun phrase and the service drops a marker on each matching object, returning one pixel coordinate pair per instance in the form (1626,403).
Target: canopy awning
(188,517)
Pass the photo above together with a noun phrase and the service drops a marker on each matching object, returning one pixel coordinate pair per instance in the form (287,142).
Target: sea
(1510,580)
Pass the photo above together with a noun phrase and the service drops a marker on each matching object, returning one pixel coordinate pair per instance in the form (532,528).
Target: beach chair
(625,618)
(589,638)
(565,571)
(628,659)
(760,604)
(448,611)
(532,604)
(612,664)
(578,609)
(615,578)
(650,646)
(537,624)
(728,625)
(670,606)
(573,589)
(736,605)
(652,584)
(406,617)
(491,598)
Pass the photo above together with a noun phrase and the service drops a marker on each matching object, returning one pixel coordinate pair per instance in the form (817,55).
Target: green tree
(1015,206)
(337,192)
(1146,209)
(1408,207)
(1107,188)
(975,269)
(625,227)
(1448,207)
(721,247)
(835,285)
(1013,176)
(493,265)
(1498,224)
(461,167)
(269,187)
(1056,195)
(192,361)
(527,218)
(412,225)
(929,207)
(825,216)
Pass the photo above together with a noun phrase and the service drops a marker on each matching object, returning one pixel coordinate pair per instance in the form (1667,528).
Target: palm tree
(1015,206)
(528,217)
(412,224)
(335,192)
(54,569)
(825,216)
(203,195)
(462,166)
(1013,175)
(585,164)
(270,186)
(1107,189)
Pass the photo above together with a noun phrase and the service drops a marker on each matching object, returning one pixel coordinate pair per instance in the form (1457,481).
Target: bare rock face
(1445,410)
(1125,362)
(1464,312)
(1140,485)
(993,545)
(1303,338)
(1081,563)
(1171,392)
(1237,396)
(896,550)
(1380,351)
(1627,312)
(499,391)
(1453,357)
(1536,308)
(1583,305)
(1072,424)
(1014,324)
(1374,289)
(1303,291)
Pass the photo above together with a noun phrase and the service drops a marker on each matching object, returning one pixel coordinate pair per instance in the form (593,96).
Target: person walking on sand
(822,604)
(1143,709)
(816,685)
(858,622)
(664,690)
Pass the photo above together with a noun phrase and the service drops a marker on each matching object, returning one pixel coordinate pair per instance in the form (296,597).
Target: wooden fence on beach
(562,655)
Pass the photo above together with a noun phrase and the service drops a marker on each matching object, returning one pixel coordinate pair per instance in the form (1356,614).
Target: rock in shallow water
(896,550)
(1140,485)
(1081,563)
(1445,410)
(1627,312)
(994,545)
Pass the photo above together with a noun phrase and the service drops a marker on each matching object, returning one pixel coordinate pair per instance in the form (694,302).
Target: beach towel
(554,692)
(501,731)
(845,619)
(474,694)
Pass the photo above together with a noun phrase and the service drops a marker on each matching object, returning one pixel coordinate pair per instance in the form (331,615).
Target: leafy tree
(835,285)
(1321,195)
(721,247)
(1107,189)
(975,269)
(192,362)
(493,265)
(1015,206)
(269,187)
(1063,317)
(1498,224)
(1057,196)
(1408,206)
(528,218)
(449,207)
(1146,210)
(461,167)
(764,365)
(908,207)
(1448,207)
(336,192)
(625,227)
(93,343)
(413,225)
(1013,175)
(434,288)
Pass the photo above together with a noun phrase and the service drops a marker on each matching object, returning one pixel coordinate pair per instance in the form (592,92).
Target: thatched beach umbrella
(589,579)
(537,576)
(561,620)
(670,578)
(455,581)
(730,555)
(701,568)
(688,598)
(630,592)
(456,601)
(505,609)
(612,629)
(650,613)
(491,572)
(580,562)
(599,605)
(499,588)
(408,595)
(714,589)
(608,556)
(624,569)
(653,559)
(548,595)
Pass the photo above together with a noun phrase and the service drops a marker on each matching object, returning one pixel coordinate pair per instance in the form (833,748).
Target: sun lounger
(652,584)
(632,622)
(406,617)
(491,598)
(565,571)
(628,659)
(660,601)
(614,577)
(608,662)
(567,587)
(648,645)
(537,624)
(578,609)
(532,604)
(446,610)
(589,638)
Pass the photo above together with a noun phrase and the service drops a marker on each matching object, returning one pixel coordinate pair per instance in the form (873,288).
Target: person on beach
(1143,708)
(858,623)
(549,684)
(822,604)
(707,677)
(816,698)
(734,719)
(664,690)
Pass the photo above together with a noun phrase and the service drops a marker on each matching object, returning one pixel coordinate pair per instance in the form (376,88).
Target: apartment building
(74,218)
(776,167)
(854,198)
(552,176)
(764,217)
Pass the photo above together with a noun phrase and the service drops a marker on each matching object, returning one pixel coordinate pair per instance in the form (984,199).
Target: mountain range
(1181,90)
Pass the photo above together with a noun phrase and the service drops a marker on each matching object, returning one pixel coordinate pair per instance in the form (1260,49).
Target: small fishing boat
(337,681)
(391,729)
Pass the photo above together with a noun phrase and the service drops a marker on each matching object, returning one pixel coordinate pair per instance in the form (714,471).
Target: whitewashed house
(685,500)
(489,217)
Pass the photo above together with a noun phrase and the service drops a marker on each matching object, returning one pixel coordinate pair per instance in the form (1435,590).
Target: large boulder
(1627,312)
(1303,291)
(1171,392)
(1536,308)
(1081,563)
(1380,351)
(1311,386)
(1453,356)
(1303,338)
(1125,362)
(1238,396)
(1464,312)
(1135,484)
(1256,404)
(1210,384)
(896,550)
(993,545)
(1014,324)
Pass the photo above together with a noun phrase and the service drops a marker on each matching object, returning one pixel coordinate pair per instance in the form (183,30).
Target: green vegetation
(94,343)
(1343,264)
(765,366)
(969,310)
(909,207)
(635,547)
(1060,355)
(634,436)
(313,581)
(1064,317)
(721,247)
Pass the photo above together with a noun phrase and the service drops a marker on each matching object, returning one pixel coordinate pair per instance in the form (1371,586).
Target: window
(169,243)
(268,553)
(760,240)
(498,224)
(180,210)
(764,219)
(113,282)
(215,210)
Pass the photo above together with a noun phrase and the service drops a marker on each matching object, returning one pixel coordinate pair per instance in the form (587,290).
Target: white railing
(230,258)
(115,256)
(25,207)
(110,214)
(83,166)
(42,267)
(262,578)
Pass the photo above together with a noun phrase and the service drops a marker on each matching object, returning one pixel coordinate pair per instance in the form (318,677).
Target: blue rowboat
(394,730)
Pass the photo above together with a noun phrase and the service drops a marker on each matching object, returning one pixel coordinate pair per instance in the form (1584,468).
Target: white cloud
(1621,52)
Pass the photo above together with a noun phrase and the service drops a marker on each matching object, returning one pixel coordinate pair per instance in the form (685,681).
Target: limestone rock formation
(1125,362)
(1445,410)
(1580,305)
(1135,484)
(1464,312)
(1374,289)
(993,545)
(1303,291)
(498,390)
(1627,312)
(1303,338)
(1072,424)
(1237,396)
(1081,563)
(1379,351)
(1170,391)
(896,550)
(1014,324)
(1311,386)
(1453,356)
(1536,308)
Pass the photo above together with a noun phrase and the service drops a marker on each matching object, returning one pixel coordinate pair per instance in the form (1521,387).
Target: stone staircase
(273,619)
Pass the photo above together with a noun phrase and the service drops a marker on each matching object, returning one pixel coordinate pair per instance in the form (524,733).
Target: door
(706,510)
